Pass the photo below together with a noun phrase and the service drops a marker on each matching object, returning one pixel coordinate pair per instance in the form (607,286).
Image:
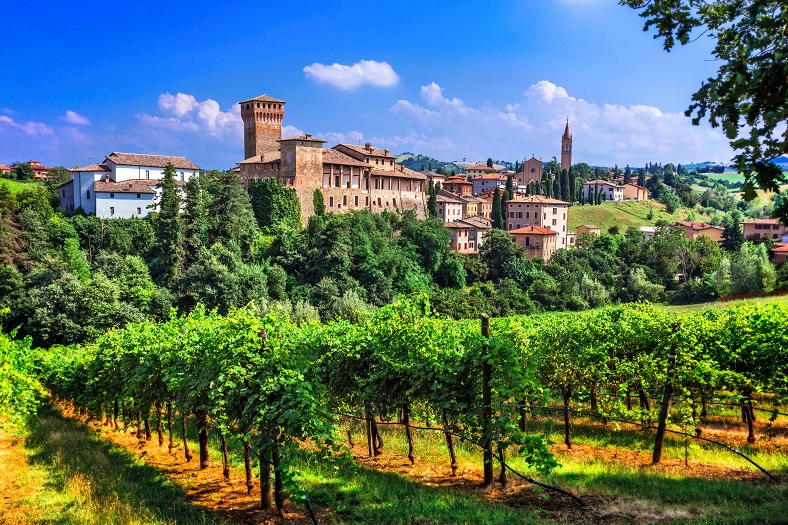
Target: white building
(611,191)
(122,186)
(538,210)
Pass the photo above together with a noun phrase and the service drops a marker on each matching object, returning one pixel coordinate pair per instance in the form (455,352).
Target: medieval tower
(566,148)
(262,117)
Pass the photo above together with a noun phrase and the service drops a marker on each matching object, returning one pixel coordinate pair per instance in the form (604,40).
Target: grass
(75,477)
(716,305)
(624,214)
(15,185)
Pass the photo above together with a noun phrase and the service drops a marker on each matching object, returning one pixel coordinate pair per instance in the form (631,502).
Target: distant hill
(624,214)
(414,162)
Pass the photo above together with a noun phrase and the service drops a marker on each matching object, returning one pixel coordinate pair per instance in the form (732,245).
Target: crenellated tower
(262,117)
(566,148)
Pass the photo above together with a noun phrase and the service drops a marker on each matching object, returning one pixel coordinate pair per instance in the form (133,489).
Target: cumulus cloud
(33,129)
(364,72)
(72,117)
(183,112)
(605,133)
(291,131)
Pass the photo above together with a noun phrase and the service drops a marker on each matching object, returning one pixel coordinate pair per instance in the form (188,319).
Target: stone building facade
(566,148)
(349,176)
(531,172)
(538,210)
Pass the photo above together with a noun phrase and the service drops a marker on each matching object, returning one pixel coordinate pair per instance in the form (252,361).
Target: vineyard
(280,394)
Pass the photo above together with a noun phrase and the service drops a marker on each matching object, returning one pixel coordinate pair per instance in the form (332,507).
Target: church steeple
(566,148)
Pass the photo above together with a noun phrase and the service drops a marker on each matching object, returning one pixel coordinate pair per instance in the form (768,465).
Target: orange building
(538,241)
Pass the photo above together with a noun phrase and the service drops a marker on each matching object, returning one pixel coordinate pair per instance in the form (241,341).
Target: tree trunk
(750,430)
(248,466)
(502,477)
(523,415)
(704,412)
(594,403)
(408,435)
(159,428)
(115,409)
(566,392)
(629,399)
(186,451)
(169,427)
(202,432)
(377,439)
(659,439)
(225,458)
(644,403)
(369,434)
(350,438)
(148,434)
(449,444)
(279,496)
(266,488)
(139,424)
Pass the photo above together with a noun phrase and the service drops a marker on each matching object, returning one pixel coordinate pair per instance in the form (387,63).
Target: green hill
(624,214)
(415,162)
(16,185)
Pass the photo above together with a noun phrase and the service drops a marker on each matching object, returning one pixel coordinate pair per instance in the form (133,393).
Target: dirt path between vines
(14,476)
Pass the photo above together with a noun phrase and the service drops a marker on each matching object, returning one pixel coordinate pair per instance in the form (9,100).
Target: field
(15,185)
(624,214)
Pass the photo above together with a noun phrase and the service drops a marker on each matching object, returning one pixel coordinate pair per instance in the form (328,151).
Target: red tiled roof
(600,182)
(263,98)
(154,161)
(635,185)
(401,172)
(698,225)
(332,156)
(540,199)
(766,220)
(92,167)
(308,137)
(377,152)
(129,186)
(271,156)
(534,230)
(490,176)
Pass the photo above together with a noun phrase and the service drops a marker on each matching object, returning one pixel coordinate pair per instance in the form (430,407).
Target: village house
(588,228)
(351,177)
(473,206)
(5,170)
(449,207)
(635,192)
(480,168)
(648,232)
(458,185)
(123,186)
(489,181)
(780,252)
(467,235)
(538,210)
(40,172)
(609,190)
(692,230)
(764,228)
(538,241)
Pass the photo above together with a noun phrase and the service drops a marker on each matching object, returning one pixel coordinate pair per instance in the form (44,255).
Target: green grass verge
(625,214)
(15,185)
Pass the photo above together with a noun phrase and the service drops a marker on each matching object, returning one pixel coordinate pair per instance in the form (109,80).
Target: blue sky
(453,79)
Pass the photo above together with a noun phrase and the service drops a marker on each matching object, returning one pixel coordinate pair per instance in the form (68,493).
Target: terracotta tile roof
(697,226)
(539,199)
(780,248)
(590,226)
(372,150)
(154,161)
(3,167)
(401,172)
(635,185)
(600,182)
(457,224)
(762,221)
(332,156)
(445,196)
(263,98)
(92,167)
(469,198)
(271,156)
(129,186)
(308,137)
(490,176)
(567,133)
(534,230)
(478,222)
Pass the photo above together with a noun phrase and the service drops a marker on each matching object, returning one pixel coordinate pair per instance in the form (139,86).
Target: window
(138,196)
(88,194)
(183,176)
(554,222)
(147,174)
(111,195)
(555,211)
(331,202)
(139,211)
(355,200)
(366,202)
(112,210)
(344,200)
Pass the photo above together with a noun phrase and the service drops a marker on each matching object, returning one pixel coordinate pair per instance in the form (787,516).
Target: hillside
(15,185)
(415,162)
(624,214)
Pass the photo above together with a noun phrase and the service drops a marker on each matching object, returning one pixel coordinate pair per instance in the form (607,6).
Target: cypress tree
(572,185)
(596,194)
(627,175)
(732,235)
(195,221)
(641,177)
(509,193)
(234,221)
(169,238)
(564,185)
(557,187)
(432,202)
(319,204)
(497,216)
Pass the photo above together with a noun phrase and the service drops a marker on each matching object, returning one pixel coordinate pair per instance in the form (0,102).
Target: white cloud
(183,112)
(34,129)
(369,72)
(72,117)
(291,131)
(604,134)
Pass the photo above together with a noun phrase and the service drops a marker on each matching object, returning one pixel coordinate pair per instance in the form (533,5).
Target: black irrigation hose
(593,414)
(506,465)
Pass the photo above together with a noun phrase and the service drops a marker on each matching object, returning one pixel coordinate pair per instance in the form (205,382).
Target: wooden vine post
(489,474)
(663,412)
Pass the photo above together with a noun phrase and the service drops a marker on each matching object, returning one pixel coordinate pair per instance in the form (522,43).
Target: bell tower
(262,117)
(566,148)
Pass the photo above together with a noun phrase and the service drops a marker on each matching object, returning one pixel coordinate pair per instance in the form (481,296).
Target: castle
(351,177)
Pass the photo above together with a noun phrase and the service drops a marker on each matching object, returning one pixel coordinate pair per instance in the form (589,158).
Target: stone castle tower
(262,118)
(566,148)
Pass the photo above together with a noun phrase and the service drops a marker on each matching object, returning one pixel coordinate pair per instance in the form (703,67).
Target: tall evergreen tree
(497,216)
(319,203)
(432,201)
(517,166)
(195,222)
(557,187)
(732,235)
(596,194)
(572,186)
(627,175)
(564,185)
(231,212)
(547,184)
(489,162)
(641,178)
(509,193)
(169,238)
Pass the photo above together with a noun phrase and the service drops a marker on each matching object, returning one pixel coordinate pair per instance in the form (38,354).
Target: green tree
(749,95)
(565,185)
(498,220)
(508,193)
(641,178)
(432,201)
(232,217)
(497,248)
(489,163)
(732,235)
(319,203)
(572,186)
(195,221)
(23,171)
(557,187)
(169,243)
(627,175)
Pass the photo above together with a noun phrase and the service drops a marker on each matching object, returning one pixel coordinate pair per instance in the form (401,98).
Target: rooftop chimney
(308,135)
(385,152)
(368,146)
